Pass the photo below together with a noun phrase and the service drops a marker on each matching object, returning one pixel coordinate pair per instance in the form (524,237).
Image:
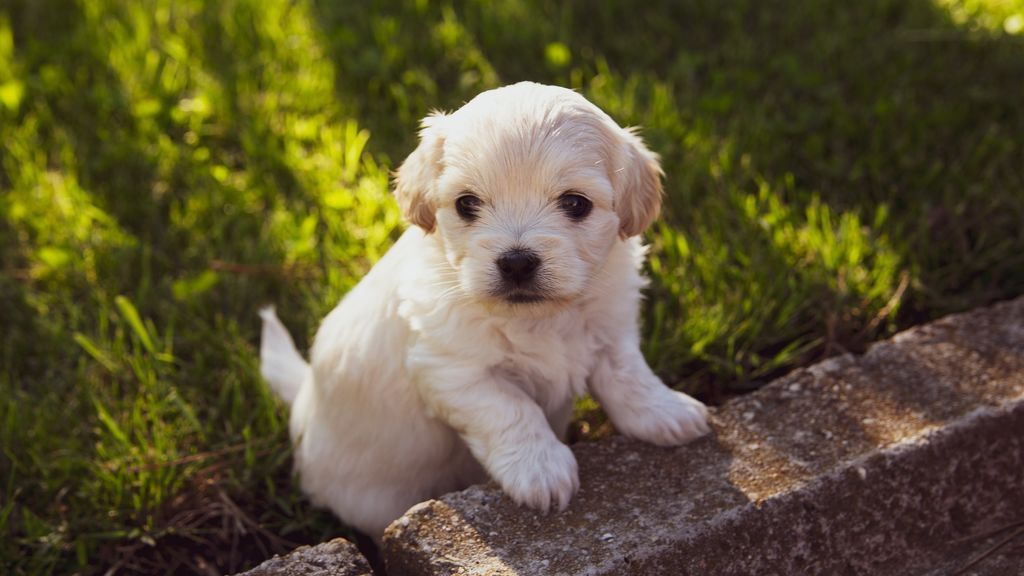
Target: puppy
(517,289)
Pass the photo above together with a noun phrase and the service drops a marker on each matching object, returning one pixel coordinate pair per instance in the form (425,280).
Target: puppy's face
(528,188)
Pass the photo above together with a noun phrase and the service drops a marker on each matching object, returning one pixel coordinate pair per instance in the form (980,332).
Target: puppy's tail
(280,362)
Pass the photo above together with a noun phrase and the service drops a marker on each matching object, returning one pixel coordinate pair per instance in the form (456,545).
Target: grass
(835,171)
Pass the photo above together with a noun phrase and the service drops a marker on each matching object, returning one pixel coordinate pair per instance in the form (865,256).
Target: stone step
(906,460)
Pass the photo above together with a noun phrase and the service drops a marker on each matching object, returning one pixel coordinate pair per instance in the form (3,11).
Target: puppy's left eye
(575,206)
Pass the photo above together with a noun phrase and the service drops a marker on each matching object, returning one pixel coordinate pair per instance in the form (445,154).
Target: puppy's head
(528,187)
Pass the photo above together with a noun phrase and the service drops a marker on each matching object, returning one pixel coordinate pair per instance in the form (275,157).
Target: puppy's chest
(550,360)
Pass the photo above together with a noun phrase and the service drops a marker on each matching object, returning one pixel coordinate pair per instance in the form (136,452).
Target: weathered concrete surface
(338,557)
(907,460)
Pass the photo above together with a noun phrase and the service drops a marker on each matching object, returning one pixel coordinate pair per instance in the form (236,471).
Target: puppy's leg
(640,405)
(506,431)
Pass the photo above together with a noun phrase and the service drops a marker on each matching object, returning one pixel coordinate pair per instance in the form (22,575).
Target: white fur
(422,381)
(280,362)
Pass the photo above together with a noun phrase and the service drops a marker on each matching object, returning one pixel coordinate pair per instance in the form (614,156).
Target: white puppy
(517,289)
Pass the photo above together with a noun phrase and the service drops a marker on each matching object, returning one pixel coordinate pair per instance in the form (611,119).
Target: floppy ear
(637,180)
(415,177)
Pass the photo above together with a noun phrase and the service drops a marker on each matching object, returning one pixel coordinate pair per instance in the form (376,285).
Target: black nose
(518,266)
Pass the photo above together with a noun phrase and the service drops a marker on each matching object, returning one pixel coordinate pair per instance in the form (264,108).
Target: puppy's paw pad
(543,477)
(674,420)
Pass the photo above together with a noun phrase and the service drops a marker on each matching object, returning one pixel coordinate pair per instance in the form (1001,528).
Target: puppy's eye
(467,206)
(575,206)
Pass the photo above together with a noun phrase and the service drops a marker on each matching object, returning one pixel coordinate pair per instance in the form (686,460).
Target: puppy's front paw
(542,475)
(669,419)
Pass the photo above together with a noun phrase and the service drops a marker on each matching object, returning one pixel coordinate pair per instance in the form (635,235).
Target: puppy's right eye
(467,206)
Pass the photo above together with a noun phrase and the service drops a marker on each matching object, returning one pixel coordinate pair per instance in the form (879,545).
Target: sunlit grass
(835,171)
(999,16)
(145,219)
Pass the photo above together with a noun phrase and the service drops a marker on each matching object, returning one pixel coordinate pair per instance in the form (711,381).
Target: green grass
(835,171)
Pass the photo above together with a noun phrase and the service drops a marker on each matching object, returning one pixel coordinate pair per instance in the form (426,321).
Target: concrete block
(906,460)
